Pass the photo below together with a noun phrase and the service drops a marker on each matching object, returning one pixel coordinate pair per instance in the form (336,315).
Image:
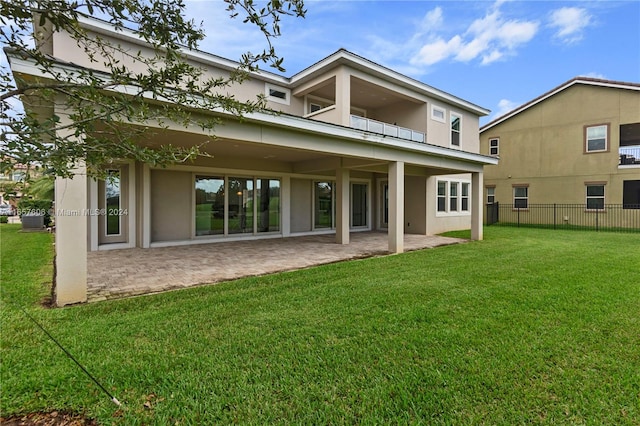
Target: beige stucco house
(357,147)
(576,144)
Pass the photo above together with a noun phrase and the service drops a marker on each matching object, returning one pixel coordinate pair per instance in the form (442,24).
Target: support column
(477,183)
(71,238)
(396,207)
(145,221)
(285,205)
(343,96)
(342,206)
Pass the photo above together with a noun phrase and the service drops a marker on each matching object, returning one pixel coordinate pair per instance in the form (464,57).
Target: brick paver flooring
(123,273)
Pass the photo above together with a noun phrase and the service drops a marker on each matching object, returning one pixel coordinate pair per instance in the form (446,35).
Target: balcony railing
(629,155)
(374,126)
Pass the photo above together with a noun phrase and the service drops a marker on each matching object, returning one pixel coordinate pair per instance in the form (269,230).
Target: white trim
(296,123)
(457,115)
(447,198)
(497,147)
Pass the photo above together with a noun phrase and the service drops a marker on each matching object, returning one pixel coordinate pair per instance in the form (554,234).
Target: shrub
(4,219)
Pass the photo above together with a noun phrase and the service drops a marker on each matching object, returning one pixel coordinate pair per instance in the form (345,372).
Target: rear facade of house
(356,147)
(578,144)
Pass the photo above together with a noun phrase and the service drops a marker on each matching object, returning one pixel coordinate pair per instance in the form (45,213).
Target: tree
(92,130)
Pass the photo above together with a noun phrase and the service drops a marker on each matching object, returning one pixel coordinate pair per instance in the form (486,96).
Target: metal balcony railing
(629,155)
(387,129)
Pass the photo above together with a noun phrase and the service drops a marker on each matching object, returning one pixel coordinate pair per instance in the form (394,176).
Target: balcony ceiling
(364,95)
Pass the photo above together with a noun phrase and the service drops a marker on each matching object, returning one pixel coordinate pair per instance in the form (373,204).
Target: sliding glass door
(230,205)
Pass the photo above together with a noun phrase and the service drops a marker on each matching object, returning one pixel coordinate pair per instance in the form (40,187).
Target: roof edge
(576,80)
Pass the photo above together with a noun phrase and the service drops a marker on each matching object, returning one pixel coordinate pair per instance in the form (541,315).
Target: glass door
(359,205)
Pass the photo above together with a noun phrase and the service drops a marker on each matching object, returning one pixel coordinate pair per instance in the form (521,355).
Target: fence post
(554,215)
(518,210)
(596,219)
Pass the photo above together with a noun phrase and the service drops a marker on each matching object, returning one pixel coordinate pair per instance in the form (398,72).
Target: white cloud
(504,106)
(489,38)
(432,20)
(570,23)
(437,51)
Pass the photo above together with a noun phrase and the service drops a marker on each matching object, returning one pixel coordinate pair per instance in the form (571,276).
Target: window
(596,138)
(209,205)
(631,194)
(268,204)
(277,94)
(452,196)
(438,114)
(494,144)
(491,194)
(323,205)
(521,197)
(595,197)
(112,203)
(236,205)
(442,196)
(359,204)
(455,129)
(314,107)
(464,197)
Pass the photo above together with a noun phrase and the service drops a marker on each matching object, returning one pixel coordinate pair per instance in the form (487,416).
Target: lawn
(527,326)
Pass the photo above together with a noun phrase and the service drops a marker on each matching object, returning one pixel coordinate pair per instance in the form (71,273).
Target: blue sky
(497,54)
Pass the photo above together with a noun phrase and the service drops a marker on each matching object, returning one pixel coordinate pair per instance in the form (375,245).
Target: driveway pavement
(123,273)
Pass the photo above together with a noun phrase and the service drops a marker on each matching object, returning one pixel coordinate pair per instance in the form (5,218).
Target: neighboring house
(576,144)
(357,147)
(17,174)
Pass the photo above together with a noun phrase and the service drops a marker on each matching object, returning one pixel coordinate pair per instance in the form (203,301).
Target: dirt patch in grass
(54,418)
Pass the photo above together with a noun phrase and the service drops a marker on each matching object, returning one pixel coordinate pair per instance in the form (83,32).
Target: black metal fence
(611,217)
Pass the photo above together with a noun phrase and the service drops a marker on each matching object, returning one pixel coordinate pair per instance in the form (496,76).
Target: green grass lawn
(527,326)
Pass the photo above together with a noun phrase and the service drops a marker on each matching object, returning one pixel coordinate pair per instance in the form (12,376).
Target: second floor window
(494,148)
(455,129)
(596,138)
(521,197)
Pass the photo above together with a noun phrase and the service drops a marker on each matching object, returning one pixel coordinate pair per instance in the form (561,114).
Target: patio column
(71,238)
(477,182)
(396,207)
(342,206)
(145,222)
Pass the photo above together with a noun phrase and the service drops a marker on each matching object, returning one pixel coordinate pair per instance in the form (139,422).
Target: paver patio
(122,273)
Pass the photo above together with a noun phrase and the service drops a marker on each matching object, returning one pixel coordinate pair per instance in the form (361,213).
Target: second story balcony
(629,155)
(387,129)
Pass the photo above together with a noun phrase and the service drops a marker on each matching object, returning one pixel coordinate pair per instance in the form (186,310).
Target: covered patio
(116,274)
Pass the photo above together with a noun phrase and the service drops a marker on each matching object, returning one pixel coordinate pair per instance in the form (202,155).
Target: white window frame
(268,88)
(520,197)
(587,139)
(448,198)
(451,117)
(497,146)
(465,197)
(434,109)
(588,197)
(491,192)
